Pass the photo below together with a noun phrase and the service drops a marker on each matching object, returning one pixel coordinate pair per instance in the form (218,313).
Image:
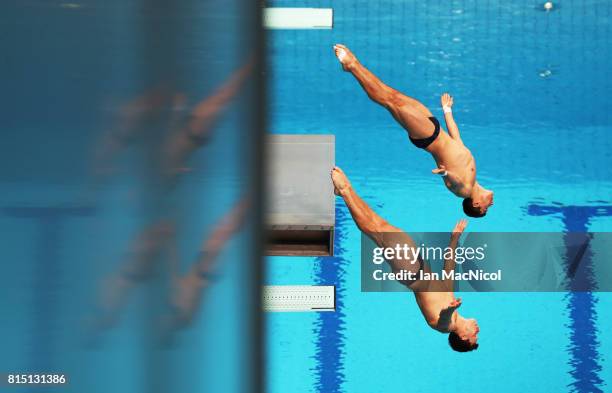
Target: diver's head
(479,202)
(464,337)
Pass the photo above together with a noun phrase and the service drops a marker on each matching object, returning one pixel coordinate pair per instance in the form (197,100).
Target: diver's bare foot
(341,183)
(345,56)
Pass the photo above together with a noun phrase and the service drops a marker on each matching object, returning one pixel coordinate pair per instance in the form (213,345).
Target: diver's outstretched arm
(447,102)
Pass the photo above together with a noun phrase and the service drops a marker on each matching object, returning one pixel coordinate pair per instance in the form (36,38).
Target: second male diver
(435,298)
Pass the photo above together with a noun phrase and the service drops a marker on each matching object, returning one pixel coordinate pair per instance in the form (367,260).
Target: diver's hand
(446,100)
(455,304)
(440,170)
(458,229)
(446,315)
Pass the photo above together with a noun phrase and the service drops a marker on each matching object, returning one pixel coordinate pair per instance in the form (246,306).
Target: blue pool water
(531,99)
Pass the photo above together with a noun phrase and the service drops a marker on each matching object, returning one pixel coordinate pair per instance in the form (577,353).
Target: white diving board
(289,298)
(298,18)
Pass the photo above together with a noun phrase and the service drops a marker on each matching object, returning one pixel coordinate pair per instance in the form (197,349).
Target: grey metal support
(301,213)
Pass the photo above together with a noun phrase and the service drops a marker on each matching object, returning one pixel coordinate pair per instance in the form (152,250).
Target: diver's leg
(372,225)
(197,130)
(366,219)
(147,250)
(188,289)
(412,115)
(207,110)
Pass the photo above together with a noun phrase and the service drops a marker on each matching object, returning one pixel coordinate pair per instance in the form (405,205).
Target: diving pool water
(531,100)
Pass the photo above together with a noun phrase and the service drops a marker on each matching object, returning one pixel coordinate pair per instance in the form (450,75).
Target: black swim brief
(424,142)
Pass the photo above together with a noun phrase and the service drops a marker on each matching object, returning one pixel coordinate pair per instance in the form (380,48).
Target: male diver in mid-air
(455,162)
(435,298)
